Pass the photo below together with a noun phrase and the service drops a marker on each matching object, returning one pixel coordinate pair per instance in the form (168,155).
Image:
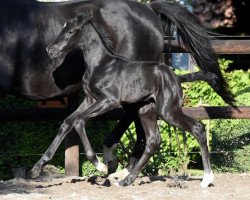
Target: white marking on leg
(119,175)
(101,167)
(108,153)
(208,178)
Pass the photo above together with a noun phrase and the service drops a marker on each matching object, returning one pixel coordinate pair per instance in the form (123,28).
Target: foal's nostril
(50,51)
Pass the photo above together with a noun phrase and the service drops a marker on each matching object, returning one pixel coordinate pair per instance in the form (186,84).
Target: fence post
(72,144)
(72,154)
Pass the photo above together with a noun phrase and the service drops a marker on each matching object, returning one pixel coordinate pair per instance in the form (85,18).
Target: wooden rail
(33,114)
(207,112)
(221,45)
(214,112)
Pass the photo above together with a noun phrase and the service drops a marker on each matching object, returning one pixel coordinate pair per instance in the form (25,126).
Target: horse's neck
(94,51)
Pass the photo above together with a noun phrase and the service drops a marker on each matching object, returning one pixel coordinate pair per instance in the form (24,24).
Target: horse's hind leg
(179,119)
(112,140)
(137,151)
(148,119)
(114,137)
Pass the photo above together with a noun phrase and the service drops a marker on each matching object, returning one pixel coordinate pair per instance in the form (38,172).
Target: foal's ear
(84,18)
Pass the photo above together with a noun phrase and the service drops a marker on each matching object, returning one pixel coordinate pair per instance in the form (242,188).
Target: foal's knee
(66,126)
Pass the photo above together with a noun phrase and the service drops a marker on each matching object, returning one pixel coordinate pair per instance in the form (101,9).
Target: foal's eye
(70,32)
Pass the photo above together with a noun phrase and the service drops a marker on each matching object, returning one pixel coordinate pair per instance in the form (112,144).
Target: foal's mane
(106,41)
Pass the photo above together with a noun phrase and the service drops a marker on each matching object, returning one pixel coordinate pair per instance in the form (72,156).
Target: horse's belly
(42,87)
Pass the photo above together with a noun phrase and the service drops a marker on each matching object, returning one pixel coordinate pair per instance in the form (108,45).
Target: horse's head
(69,37)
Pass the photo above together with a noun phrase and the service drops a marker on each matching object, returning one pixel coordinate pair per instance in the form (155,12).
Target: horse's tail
(197,40)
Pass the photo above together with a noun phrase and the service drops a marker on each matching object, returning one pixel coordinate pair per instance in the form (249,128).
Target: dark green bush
(229,138)
(22,144)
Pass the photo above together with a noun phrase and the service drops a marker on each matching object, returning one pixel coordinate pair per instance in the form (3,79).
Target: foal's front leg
(148,119)
(64,129)
(99,107)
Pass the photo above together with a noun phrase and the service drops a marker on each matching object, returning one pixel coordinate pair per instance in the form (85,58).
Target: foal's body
(112,81)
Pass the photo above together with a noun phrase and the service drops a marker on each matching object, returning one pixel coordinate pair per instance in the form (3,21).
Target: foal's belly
(138,83)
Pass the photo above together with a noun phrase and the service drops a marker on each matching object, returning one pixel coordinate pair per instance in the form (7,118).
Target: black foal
(113,81)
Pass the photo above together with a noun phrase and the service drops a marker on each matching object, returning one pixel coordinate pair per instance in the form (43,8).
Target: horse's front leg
(148,119)
(64,129)
(101,106)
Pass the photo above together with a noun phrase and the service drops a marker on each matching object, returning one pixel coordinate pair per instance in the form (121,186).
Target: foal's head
(69,37)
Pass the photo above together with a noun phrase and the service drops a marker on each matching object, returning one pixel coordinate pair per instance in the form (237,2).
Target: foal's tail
(197,41)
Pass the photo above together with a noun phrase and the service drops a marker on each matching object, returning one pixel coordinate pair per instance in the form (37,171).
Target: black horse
(112,81)
(28,26)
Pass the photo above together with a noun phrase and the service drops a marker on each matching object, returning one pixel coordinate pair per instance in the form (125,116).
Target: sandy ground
(226,186)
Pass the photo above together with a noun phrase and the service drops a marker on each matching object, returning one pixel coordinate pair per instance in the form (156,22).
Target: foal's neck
(94,51)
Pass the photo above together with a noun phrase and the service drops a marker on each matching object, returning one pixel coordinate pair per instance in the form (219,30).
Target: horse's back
(131,26)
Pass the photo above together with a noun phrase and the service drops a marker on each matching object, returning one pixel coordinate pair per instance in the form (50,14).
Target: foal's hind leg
(148,119)
(179,119)
(138,148)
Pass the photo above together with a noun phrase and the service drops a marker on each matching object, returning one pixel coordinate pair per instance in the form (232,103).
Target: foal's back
(124,80)
(137,81)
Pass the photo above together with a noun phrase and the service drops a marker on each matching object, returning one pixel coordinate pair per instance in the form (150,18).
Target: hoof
(33,174)
(112,166)
(112,182)
(119,175)
(102,168)
(125,182)
(207,179)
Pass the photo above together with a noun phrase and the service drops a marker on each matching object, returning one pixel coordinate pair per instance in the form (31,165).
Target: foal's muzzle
(53,52)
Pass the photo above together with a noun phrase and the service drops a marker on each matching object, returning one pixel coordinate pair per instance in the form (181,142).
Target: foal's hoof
(208,178)
(112,166)
(102,168)
(33,174)
(119,175)
(124,183)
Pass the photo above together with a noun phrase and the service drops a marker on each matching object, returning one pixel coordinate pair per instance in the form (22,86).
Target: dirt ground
(52,186)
